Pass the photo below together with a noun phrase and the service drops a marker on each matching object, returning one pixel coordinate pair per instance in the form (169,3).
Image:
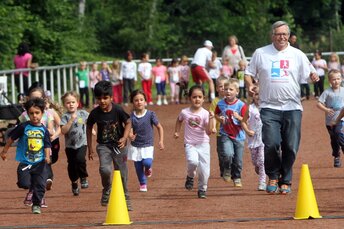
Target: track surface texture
(167,204)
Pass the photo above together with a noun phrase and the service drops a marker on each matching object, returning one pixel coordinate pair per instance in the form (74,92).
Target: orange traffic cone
(306,206)
(117,211)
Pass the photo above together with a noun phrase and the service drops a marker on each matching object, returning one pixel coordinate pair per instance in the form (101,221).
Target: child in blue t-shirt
(33,151)
(230,112)
(142,137)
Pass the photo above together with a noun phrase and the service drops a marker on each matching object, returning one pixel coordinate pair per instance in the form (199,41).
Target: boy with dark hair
(33,152)
(113,125)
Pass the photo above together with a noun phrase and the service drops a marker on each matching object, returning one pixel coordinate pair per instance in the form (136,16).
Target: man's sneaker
(84,182)
(148,172)
(336,162)
(272,187)
(75,189)
(44,203)
(143,188)
(48,184)
(262,187)
(202,194)
(129,207)
(36,209)
(28,199)
(189,183)
(105,197)
(237,182)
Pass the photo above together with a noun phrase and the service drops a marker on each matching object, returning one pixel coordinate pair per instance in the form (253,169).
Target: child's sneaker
(189,183)
(75,189)
(143,188)
(48,184)
(36,209)
(165,102)
(262,186)
(148,172)
(237,182)
(158,103)
(336,162)
(105,197)
(28,199)
(43,203)
(129,207)
(202,194)
(84,182)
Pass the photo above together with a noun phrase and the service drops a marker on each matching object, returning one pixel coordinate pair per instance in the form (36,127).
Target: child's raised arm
(65,129)
(123,140)
(177,128)
(161,136)
(89,141)
(327,110)
(9,142)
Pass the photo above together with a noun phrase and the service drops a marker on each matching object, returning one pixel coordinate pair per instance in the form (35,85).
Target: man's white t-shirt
(279,74)
(202,57)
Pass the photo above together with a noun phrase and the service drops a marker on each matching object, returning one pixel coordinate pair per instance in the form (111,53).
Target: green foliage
(57,34)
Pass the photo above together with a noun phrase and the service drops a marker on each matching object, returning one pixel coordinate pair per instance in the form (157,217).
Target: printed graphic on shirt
(279,70)
(231,124)
(111,132)
(194,122)
(35,145)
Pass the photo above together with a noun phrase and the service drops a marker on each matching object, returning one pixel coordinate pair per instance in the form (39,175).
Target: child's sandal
(272,187)
(285,189)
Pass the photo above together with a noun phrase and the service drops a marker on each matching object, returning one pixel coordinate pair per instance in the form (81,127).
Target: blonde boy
(230,112)
(331,101)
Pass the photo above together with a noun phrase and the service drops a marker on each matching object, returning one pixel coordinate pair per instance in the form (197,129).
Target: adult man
(279,68)
(201,61)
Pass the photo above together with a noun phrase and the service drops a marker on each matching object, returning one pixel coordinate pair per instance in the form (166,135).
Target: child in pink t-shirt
(227,70)
(197,147)
(159,72)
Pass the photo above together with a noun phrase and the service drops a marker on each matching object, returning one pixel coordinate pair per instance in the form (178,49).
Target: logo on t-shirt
(279,69)
(194,122)
(35,144)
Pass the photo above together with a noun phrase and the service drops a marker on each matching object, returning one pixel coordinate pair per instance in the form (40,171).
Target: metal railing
(59,79)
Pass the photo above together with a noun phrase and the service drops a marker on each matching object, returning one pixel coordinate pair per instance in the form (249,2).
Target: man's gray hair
(279,24)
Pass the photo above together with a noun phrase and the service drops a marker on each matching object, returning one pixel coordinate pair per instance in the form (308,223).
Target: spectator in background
(23,59)
(320,66)
(128,75)
(293,40)
(233,52)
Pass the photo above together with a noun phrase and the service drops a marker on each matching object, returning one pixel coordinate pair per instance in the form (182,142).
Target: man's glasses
(281,34)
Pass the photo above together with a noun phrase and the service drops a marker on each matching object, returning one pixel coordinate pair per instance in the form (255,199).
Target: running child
(230,112)
(220,84)
(73,126)
(255,143)
(198,126)
(33,152)
(331,101)
(142,137)
(36,91)
(113,127)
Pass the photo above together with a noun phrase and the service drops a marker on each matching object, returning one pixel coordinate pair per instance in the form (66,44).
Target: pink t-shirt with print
(196,125)
(159,73)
